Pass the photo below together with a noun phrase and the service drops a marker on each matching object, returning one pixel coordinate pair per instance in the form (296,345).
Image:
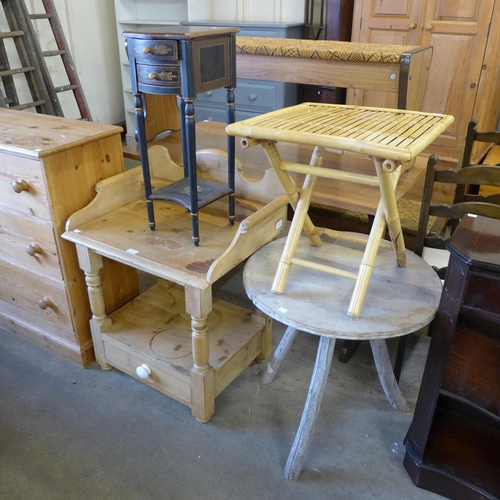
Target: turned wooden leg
(91,263)
(304,435)
(386,375)
(199,305)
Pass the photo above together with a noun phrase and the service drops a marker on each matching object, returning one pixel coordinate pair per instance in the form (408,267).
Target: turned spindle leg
(91,264)
(198,305)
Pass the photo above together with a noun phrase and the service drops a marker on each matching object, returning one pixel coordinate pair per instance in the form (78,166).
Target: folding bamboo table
(390,137)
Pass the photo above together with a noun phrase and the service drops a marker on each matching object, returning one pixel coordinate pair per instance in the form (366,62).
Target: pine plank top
(36,135)
(392,134)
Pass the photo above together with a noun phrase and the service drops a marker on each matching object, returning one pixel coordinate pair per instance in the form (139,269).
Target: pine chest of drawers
(49,167)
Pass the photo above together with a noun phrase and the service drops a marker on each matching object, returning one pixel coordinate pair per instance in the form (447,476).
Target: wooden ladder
(44,94)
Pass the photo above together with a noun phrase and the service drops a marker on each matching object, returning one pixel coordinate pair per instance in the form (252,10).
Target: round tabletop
(398,301)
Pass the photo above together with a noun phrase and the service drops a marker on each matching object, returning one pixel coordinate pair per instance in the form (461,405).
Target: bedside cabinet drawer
(42,297)
(28,243)
(159,75)
(153,51)
(22,186)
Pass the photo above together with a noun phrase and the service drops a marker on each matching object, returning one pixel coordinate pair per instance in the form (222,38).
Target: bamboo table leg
(289,186)
(304,435)
(373,243)
(385,170)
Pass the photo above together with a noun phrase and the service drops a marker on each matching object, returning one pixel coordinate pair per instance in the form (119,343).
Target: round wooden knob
(412,26)
(46,302)
(20,185)
(33,249)
(209,93)
(252,97)
(143,371)
(428,27)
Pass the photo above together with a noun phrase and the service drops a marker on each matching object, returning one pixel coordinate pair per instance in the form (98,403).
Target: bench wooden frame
(406,75)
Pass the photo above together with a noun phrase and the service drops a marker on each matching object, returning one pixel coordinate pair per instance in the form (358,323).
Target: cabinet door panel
(387,22)
(458,33)
(377,21)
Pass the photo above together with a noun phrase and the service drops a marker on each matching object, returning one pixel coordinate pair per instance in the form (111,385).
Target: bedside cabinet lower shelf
(154,329)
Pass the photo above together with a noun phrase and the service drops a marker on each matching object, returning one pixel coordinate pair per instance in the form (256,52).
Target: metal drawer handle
(33,249)
(46,302)
(20,185)
(161,50)
(143,371)
(252,97)
(164,75)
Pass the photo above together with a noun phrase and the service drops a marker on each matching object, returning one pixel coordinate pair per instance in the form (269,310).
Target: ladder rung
(27,105)
(50,53)
(40,16)
(11,34)
(9,72)
(65,88)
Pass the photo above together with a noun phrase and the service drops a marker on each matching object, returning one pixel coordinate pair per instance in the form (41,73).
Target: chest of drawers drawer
(22,186)
(43,297)
(249,95)
(29,242)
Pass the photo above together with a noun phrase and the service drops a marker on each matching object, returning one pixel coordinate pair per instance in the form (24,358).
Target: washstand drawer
(43,297)
(27,242)
(162,378)
(22,186)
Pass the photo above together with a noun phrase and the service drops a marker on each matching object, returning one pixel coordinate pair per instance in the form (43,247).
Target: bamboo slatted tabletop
(388,133)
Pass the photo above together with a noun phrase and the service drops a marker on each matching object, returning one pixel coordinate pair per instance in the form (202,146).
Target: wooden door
(387,22)
(458,32)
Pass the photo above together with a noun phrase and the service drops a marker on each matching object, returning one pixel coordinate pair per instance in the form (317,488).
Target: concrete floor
(73,433)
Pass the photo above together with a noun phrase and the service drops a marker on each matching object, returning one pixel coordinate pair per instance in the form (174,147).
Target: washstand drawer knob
(143,371)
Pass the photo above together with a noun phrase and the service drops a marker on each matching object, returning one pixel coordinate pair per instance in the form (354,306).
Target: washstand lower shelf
(154,329)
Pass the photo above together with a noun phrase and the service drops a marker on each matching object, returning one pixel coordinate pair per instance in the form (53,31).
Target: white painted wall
(278,11)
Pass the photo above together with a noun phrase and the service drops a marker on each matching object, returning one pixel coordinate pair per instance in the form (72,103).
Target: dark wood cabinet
(337,19)
(453,444)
